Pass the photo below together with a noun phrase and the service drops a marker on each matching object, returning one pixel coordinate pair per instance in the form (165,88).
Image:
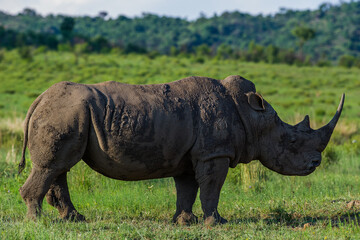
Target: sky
(189,9)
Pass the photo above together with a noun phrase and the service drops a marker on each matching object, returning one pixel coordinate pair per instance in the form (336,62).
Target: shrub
(41,49)
(199,59)
(132,48)
(323,63)
(287,56)
(224,52)
(64,47)
(347,61)
(153,54)
(25,53)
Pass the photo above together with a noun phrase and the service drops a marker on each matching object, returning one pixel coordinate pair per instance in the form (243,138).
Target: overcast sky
(189,9)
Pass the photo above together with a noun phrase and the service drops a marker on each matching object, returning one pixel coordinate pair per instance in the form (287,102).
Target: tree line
(324,36)
(80,45)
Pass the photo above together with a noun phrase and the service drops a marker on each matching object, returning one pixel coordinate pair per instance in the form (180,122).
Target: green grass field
(258,203)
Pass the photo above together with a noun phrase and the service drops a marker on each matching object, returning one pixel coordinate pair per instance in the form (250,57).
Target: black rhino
(192,130)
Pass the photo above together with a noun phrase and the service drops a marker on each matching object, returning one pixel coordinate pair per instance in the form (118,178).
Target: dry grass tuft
(14,124)
(347,130)
(11,156)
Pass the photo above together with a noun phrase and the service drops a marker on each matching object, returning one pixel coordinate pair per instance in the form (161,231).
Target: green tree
(80,50)
(67,27)
(29,12)
(224,51)
(203,50)
(271,54)
(100,45)
(303,34)
(255,52)
(103,14)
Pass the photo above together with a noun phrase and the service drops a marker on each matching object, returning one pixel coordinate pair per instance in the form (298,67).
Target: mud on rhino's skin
(192,130)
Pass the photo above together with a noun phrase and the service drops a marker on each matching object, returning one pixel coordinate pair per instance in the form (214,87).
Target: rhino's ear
(256,101)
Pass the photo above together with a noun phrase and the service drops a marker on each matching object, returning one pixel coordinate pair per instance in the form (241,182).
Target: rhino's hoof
(74,216)
(185,219)
(211,220)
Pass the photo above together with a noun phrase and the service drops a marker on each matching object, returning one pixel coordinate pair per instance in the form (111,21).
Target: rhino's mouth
(314,163)
(305,172)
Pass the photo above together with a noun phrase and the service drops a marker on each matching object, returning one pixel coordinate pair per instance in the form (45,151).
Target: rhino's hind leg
(186,189)
(58,196)
(35,188)
(211,177)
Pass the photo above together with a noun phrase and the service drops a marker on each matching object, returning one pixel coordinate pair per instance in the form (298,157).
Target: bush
(100,45)
(224,52)
(116,50)
(41,49)
(132,48)
(64,47)
(347,61)
(25,52)
(323,63)
(199,59)
(203,50)
(287,56)
(153,54)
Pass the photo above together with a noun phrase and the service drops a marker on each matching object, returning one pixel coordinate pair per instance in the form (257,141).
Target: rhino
(193,130)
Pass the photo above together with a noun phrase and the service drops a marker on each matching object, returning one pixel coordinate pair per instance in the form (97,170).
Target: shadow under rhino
(192,129)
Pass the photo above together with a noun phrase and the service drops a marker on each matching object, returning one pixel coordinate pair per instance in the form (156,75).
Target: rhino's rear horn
(325,132)
(304,125)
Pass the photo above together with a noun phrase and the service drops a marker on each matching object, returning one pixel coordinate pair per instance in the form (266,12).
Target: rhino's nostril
(316,163)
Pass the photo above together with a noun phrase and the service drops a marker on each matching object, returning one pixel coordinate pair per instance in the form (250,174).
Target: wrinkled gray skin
(192,130)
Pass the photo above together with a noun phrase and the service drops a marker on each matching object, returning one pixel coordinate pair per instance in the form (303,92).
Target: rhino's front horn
(325,132)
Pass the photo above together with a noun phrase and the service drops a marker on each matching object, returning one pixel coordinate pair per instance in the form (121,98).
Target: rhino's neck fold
(251,141)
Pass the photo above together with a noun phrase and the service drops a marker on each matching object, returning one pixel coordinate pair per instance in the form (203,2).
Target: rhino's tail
(26,126)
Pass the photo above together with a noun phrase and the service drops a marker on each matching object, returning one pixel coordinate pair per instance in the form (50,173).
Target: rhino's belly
(135,164)
(138,158)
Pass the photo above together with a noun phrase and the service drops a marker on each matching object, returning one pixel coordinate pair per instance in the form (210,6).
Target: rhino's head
(286,149)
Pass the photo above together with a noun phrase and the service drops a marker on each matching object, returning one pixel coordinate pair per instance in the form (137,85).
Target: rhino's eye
(292,140)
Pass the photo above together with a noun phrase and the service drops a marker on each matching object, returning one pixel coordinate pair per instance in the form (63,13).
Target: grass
(258,203)
(279,207)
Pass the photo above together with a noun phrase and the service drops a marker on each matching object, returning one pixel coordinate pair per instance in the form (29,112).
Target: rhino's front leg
(211,176)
